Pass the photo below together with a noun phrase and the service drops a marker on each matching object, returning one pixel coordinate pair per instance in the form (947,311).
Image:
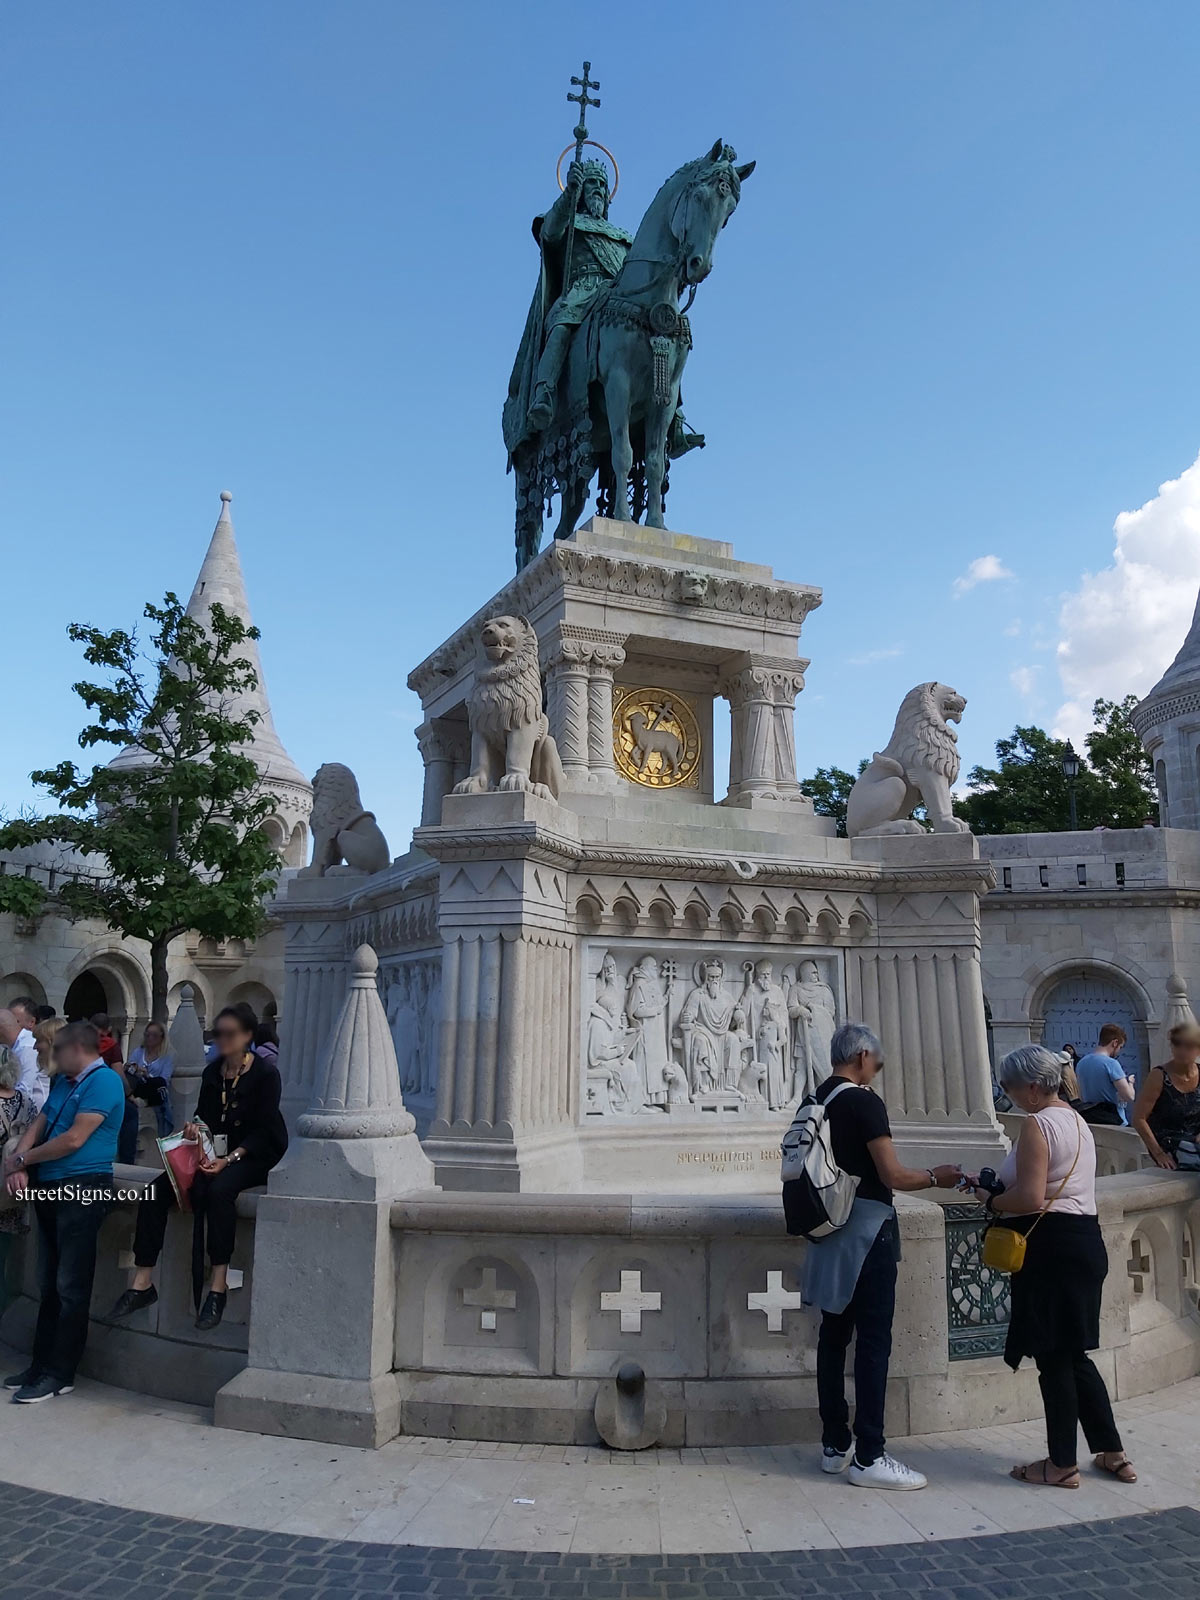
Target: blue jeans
(867,1320)
(67,1231)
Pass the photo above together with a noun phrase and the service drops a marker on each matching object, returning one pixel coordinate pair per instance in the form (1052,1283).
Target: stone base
(300,1405)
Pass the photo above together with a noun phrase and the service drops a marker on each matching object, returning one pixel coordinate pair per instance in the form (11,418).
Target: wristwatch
(234,1155)
(19,1160)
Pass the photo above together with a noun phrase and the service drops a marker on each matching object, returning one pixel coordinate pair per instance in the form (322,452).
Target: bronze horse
(617,406)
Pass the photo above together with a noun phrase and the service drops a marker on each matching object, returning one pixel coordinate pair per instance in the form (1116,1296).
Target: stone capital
(769,680)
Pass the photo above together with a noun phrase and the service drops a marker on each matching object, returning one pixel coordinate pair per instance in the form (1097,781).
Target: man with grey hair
(16,1040)
(851,1274)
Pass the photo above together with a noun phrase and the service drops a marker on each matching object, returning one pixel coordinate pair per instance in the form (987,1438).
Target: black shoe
(133,1300)
(41,1389)
(19,1380)
(211,1311)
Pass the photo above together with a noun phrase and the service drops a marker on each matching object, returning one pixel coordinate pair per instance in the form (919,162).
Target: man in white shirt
(18,1041)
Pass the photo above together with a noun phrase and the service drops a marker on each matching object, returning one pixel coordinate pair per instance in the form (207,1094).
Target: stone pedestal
(320,1357)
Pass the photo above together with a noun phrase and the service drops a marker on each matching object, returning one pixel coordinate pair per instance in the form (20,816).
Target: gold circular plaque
(656,738)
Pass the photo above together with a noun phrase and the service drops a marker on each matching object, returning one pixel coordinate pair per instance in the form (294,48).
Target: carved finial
(226,496)
(1179,1010)
(358,1081)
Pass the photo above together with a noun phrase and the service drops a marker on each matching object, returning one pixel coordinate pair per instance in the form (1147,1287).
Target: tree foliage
(178,824)
(829,790)
(1026,791)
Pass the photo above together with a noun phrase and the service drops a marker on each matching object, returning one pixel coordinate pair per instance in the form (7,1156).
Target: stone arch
(1092,990)
(15,984)
(256,995)
(125,982)
(296,852)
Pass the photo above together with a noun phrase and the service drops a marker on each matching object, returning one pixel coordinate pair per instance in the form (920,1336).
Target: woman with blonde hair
(43,1043)
(1166,1113)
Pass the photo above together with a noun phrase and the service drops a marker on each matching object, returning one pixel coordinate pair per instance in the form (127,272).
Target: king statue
(594,389)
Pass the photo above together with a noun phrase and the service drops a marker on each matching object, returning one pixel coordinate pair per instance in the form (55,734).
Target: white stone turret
(1168,724)
(221,581)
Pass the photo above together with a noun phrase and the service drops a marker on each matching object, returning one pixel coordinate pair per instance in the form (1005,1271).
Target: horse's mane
(691,170)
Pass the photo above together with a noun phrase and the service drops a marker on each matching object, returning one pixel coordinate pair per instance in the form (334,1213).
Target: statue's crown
(595,169)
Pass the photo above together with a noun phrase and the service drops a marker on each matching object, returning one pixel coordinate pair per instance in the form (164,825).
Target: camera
(989,1181)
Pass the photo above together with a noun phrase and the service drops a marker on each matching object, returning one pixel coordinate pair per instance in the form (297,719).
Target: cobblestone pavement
(56,1548)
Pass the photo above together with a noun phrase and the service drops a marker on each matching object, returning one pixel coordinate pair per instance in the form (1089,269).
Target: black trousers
(868,1320)
(215,1199)
(1073,1392)
(67,1233)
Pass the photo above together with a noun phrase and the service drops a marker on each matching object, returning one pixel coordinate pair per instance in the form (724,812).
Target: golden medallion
(656,738)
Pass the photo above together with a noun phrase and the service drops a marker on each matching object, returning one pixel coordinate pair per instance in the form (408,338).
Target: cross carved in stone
(1139,1264)
(490,1298)
(774,1301)
(631,1300)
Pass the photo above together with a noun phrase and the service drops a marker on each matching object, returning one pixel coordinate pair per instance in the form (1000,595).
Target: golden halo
(595,146)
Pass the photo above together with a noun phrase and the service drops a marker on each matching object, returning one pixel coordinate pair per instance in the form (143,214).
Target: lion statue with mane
(511,746)
(918,768)
(346,839)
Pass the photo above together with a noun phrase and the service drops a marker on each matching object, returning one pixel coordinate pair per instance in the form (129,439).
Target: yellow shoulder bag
(1004,1248)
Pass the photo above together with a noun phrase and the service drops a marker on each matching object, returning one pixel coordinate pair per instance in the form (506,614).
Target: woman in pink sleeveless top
(1056,1295)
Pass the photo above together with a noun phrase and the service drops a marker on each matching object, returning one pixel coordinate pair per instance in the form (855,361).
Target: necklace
(229,1086)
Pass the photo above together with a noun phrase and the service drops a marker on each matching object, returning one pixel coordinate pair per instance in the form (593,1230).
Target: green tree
(1026,791)
(1118,758)
(829,790)
(179,824)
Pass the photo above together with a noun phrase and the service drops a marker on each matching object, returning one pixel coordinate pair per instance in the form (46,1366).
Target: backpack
(817,1194)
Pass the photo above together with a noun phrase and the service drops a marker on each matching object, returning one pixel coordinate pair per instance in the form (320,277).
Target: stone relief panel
(691,1031)
(411,991)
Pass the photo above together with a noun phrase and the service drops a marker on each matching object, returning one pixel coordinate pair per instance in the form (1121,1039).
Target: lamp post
(1070,771)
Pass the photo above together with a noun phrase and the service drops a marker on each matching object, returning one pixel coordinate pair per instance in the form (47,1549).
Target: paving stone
(57,1548)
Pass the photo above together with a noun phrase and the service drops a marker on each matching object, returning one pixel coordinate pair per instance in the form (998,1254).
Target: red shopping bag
(181,1157)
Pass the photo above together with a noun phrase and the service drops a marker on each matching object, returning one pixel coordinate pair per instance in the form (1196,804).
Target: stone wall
(1115,906)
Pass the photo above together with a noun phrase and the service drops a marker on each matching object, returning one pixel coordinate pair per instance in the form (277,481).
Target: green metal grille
(977,1299)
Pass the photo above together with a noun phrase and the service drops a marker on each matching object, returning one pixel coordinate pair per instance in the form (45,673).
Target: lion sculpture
(918,768)
(346,839)
(511,746)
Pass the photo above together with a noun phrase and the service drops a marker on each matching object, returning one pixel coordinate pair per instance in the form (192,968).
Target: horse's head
(705,204)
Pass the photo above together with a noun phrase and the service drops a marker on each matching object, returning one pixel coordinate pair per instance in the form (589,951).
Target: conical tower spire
(220,582)
(1166,724)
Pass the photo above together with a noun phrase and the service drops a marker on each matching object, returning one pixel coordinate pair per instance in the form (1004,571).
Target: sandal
(1121,1470)
(1037,1473)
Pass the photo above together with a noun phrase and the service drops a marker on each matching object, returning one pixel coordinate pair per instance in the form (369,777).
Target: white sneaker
(836,1460)
(887,1473)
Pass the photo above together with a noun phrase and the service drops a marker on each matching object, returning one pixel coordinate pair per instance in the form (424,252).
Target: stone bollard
(323,1298)
(186,1040)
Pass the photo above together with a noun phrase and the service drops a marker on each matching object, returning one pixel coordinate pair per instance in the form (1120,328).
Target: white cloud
(984,569)
(1024,681)
(1013,631)
(1120,630)
(872,656)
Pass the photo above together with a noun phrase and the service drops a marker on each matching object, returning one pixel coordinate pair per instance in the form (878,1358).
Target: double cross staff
(583,100)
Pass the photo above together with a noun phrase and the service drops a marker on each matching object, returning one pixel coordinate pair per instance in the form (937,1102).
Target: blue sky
(283,248)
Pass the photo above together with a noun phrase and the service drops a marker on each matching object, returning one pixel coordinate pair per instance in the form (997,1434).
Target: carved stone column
(762,691)
(442,747)
(567,673)
(605,659)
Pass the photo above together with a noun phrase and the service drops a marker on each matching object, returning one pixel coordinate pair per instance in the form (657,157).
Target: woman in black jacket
(239,1104)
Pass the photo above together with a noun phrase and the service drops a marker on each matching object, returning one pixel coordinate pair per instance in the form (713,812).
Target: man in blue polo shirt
(66,1157)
